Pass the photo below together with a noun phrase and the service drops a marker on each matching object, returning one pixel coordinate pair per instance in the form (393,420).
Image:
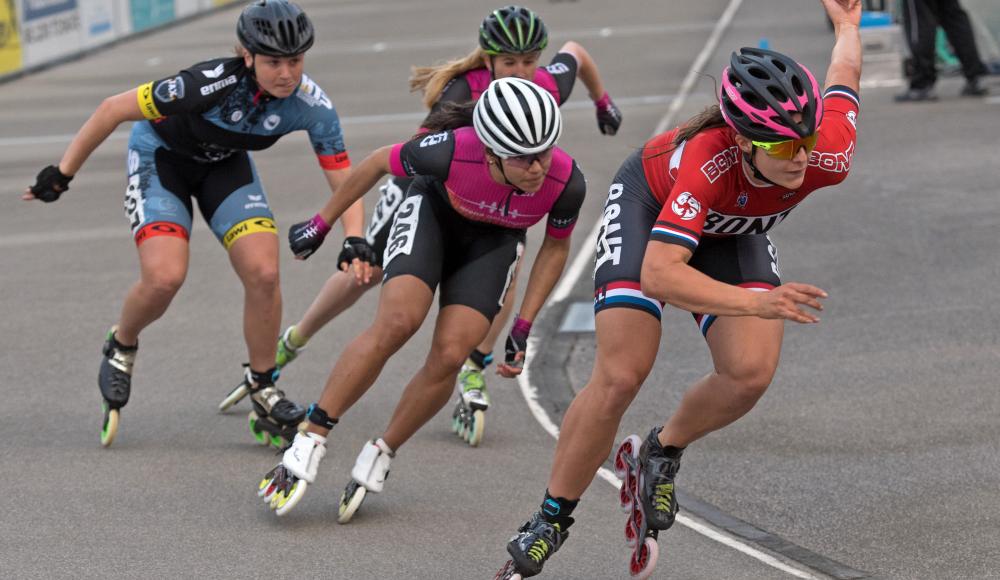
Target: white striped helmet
(517,117)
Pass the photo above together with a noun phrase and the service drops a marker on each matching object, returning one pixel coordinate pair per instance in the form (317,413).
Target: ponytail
(431,80)
(448,117)
(710,118)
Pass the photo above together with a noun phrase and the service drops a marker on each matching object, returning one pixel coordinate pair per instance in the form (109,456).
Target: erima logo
(209,89)
(271,122)
(214,73)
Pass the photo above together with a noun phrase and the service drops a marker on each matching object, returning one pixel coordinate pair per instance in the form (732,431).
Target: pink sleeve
(396,161)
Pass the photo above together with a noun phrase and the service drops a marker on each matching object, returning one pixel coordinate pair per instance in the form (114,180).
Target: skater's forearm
(545,273)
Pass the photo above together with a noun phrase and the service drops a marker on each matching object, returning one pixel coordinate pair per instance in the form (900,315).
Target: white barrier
(34,33)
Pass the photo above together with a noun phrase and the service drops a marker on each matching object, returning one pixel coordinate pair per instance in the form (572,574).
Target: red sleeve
(830,161)
(698,172)
(335,161)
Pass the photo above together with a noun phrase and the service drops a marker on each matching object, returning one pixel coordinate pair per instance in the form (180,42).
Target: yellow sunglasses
(787,149)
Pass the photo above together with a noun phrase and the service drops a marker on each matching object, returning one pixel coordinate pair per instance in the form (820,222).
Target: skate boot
(115,381)
(647,496)
(369,474)
(535,542)
(283,487)
(274,419)
(287,350)
(469,417)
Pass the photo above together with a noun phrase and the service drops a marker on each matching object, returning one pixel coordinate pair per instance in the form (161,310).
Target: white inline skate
(369,474)
(283,487)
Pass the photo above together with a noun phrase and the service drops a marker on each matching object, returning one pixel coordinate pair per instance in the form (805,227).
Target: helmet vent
(759,73)
(797,85)
(777,94)
(754,100)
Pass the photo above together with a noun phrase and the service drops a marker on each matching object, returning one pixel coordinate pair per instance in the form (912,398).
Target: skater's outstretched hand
(514,351)
(49,185)
(306,237)
(358,256)
(843,11)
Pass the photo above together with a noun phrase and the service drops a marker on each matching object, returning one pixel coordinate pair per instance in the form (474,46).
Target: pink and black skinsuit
(461,229)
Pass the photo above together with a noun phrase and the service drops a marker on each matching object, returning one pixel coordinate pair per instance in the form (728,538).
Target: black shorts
(392,194)
(473,262)
(749,261)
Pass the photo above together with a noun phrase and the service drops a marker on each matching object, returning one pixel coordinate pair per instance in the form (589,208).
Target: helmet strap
(499,165)
(748,157)
(493,74)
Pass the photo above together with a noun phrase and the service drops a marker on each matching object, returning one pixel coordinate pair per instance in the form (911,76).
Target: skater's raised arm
(845,63)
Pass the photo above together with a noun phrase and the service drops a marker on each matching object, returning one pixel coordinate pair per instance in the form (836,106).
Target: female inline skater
(191,142)
(511,40)
(686,223)
(462,226)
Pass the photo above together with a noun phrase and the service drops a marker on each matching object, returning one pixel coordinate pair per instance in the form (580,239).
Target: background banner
(10,40)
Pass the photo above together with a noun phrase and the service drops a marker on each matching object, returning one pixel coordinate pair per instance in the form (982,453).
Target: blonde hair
(433,79)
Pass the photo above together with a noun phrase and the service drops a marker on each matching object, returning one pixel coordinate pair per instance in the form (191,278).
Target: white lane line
(698,65)
(409,118)
(572,276)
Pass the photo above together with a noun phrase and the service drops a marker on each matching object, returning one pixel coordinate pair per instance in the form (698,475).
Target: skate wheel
(627,449)
(475,432)
(110,427)
(350,501)
(235,396)
(631,533)
(286,500)
(456,424)
(643,560)
(259,435)
(508,572)
(276,441)
(266,488)
(625,498)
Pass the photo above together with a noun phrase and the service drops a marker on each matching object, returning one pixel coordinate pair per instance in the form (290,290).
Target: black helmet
(512,30)
(763,89)
(274,28)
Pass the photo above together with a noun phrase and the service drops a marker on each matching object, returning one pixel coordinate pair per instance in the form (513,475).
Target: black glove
(50,184)
(609,118)
(517,342)
(306,237)
(355,247)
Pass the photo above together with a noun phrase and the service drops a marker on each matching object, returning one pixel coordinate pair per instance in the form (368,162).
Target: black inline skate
(535,542)
(274,419)
(647,496)
(115,381)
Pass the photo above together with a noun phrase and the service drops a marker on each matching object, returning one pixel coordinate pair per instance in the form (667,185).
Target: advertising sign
(50,29)
(10,39)
(97,20)
(149,13)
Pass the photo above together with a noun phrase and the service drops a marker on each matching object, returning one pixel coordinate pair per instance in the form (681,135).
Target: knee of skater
(262,277)
(749,384)
(164,281)
(618,388)
(395,328)
(448,357)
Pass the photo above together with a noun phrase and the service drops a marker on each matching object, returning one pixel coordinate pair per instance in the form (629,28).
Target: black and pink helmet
(763,89)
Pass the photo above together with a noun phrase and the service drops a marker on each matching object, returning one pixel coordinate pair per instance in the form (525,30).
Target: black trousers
(920,21)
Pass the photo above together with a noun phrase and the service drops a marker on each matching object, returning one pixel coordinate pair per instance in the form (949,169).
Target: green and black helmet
(512,30)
